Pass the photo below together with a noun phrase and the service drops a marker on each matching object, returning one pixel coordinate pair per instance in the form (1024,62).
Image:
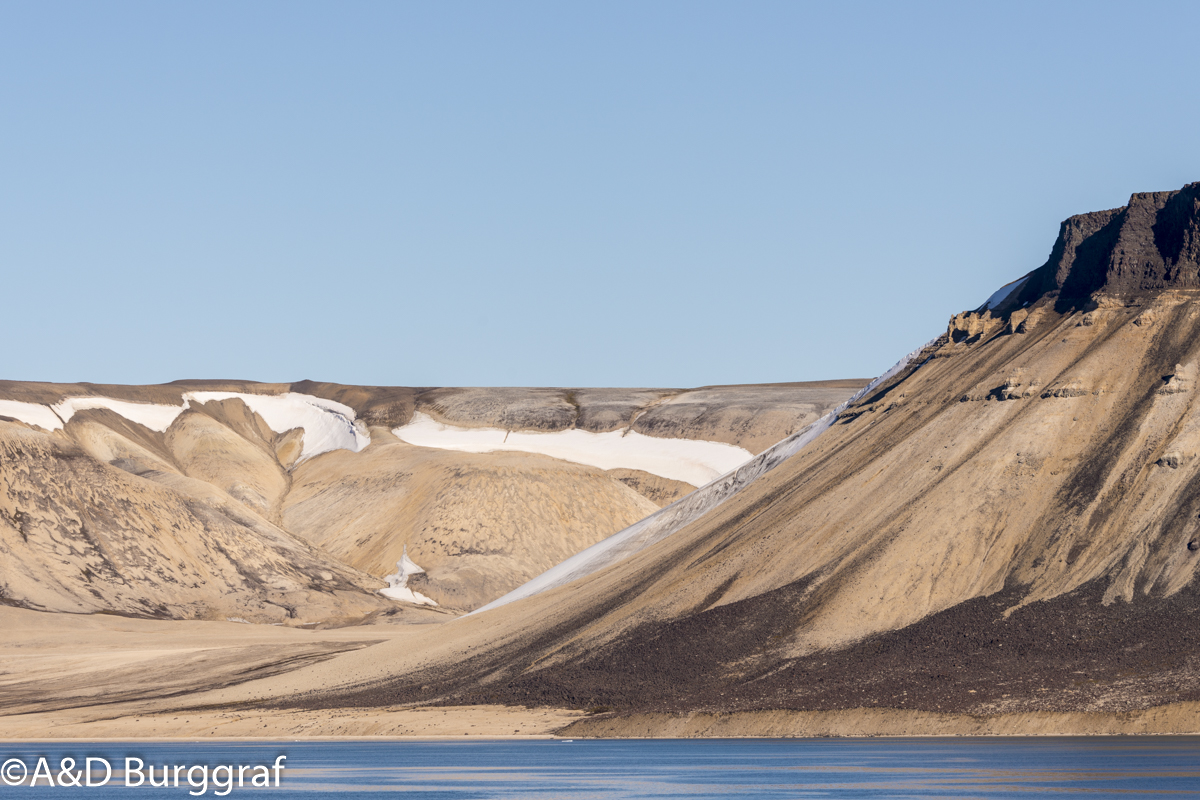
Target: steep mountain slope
(1012,522)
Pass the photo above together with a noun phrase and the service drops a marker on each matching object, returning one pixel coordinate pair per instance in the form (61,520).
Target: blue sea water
(708,768)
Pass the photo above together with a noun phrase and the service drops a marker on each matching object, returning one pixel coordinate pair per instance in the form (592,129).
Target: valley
(1001,534)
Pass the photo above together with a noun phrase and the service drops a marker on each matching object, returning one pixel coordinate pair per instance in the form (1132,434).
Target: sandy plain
(85,677)
(86,688)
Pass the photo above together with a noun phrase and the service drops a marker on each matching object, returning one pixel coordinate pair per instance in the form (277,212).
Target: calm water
(713,768)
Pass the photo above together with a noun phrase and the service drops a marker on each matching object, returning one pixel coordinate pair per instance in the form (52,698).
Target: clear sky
(560,193)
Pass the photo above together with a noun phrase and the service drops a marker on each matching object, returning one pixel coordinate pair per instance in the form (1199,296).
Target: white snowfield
(1001,294)
(155,417)
(689,460)
(397,587)
(327,425)
(674,517)
(31,414)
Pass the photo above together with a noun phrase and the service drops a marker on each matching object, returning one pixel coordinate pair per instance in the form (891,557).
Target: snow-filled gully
(689,460)
(327,425)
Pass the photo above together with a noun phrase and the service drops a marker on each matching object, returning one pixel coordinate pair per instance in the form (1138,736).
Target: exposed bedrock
(1152,243)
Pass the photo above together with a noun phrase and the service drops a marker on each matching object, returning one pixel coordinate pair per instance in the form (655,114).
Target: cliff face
(1153,243)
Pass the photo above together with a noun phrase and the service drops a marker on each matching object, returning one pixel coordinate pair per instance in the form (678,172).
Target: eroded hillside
(291,503)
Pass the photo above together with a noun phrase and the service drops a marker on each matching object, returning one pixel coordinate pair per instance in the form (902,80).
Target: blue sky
(587,194)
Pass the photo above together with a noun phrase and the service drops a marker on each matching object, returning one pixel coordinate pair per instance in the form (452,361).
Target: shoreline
(1175,719)
(507,723)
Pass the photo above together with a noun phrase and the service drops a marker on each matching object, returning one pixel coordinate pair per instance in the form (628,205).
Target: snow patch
(153,416)
(1001,294)
(31,414)
(397,587)
(674,517)
(328,425)
(689,460)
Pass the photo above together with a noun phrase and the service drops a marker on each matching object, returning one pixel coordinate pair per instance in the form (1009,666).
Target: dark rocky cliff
(1152,243)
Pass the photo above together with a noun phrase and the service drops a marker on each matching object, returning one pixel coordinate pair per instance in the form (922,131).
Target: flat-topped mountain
(1010,523)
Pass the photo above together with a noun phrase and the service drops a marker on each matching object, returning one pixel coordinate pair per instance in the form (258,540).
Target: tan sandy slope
(79,534)
(479,524)
(1040,458)
(1047,459)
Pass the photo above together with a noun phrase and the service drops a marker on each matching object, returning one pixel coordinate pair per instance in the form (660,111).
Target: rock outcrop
(1151,244)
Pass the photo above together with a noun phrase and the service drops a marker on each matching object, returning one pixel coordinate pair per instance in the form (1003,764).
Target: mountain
(1009,524)
(999,535)
(291,503)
